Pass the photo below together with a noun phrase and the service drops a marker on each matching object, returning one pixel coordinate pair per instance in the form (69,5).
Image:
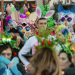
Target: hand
(10,65)
(62,72)
(25,68)
(29,68)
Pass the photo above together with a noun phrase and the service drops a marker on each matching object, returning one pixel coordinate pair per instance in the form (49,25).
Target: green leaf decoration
(44,9)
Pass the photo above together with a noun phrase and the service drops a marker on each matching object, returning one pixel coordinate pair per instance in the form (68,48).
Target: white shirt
(30,43)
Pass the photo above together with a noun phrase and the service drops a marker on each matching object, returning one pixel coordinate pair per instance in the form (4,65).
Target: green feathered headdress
(45,39)
(5,38)
(49,41)
(64,38)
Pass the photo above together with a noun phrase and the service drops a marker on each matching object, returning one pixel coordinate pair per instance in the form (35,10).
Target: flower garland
(45,39)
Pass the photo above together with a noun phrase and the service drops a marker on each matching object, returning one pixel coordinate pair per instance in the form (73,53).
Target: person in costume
(8,65)
(32,41)
(44,61)
(27,47)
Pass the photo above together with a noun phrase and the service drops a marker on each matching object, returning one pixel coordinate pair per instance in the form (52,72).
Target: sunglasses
(69,19)
(8,54)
